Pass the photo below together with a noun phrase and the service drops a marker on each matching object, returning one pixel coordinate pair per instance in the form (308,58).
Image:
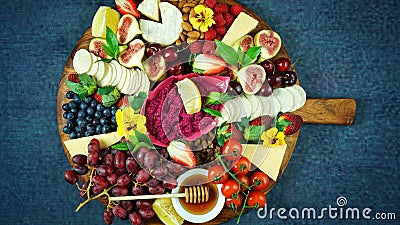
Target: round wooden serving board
(316,111)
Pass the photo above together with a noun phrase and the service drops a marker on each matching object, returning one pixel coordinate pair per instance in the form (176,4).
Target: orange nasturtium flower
(204,18)
(128,121)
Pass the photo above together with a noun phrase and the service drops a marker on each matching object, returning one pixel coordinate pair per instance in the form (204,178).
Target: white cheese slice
(82,61)
(95,66)
(268,159)
(123,78)
(79,146)
(241,26)
(128,81)
(118,72)
(100,71)
(285,98)
(107,75)
(150,9)
(303,94)
(297,98)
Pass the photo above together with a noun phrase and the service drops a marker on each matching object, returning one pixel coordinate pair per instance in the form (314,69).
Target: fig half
(133,55)
(270,42)
(128,28)
(155,68)
(251,78)
(96,48)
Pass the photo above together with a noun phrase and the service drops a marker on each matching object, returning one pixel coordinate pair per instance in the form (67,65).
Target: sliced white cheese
(82,61)
(167,32)
(118,72)
(128,81)
(241,26)
(277,106)
(297,98)
(255,106)
(246,108)
(95,66)
(100,71)
(285,98)
(109,76)
(123,78)
(145,87)
(80,145)
(268,159)
(267,106)
(303,94)
(150,9)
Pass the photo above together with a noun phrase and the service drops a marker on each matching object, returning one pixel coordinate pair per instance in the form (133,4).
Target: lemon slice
(166,213)
(190,95)
(105,16)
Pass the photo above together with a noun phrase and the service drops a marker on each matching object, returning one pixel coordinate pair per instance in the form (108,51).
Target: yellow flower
(273,137)
(127,121)
(204,18)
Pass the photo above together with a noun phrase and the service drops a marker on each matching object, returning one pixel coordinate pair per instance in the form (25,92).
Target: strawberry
(221,8)
(127,7)
(123,101)
(263,120)
(211,3)
(73,77)
(209,64)
(181,153)
(289,123)
(236,10)
(210,35)
(98,97)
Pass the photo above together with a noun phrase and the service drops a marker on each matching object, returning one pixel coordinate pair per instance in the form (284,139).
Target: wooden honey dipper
(192,194)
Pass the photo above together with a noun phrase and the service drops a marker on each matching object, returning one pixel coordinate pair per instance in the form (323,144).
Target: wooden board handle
(338,111)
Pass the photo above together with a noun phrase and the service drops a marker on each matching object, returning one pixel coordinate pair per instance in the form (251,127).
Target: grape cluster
(122,173)
(87,117)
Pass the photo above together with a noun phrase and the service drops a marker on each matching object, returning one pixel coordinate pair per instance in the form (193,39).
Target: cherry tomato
(217,174)
(244,179)
(229,188)
(262,180)
(256,199)
(241,166)
(232,147)
(234,203)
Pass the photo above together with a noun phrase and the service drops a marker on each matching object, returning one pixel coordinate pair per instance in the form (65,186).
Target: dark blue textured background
(347,48)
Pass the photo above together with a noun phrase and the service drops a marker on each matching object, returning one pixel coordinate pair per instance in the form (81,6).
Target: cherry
(268,66)
(276,81)
(289,78)
(170,54)
(282,64)
(176,70)
(235,87)
(152,49)
(266,90)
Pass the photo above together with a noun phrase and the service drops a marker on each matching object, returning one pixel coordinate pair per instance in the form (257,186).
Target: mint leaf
(253,133)
(85,79)
(142,144)
(228,53)
(105,90)
(212,112)
(143,137)
(109,100)
(142,95)
(75,87)
(253,52)
(112,41)
(108,50)
(216,98)
(123,146)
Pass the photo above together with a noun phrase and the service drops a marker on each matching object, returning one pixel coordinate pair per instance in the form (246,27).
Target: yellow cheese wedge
(267,159)
(79,146)
(241,26)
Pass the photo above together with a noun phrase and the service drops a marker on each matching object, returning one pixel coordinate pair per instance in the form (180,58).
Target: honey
(199,208)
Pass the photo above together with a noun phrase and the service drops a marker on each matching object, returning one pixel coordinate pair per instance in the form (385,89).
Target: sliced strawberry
(289,123)
(73,77)
(263,120)
(123,101)
(127,7)
(181,153)
(98,97)
(209,64)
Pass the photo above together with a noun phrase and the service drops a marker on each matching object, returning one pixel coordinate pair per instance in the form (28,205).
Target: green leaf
(109,100)
(133,139)
(200,71)
(142,95)
(228,53)
(108,50)
(253,133)
(216,98)
(123,146)
(142,144)
(75,87)
(112,41)
(137,103)
(85,79)
(245,121)
(212,112)
(240,54)
(253,52)
(106,60)
(142,137)
(105,90)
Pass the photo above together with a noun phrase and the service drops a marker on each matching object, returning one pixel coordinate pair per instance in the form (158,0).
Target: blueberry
(104,121)
(93,104)
(105,129)
(89,118)
(77,99)
(98,129)
(67,130)
(98,114)
(79,135)
(73,135)
(65,107)
(72,105)
(82,122)
(70,116)
(89,99)
(107,112)
(113,126)
(70,124)
(100,107)
(113,120)
(113,111)
(114,107)
(81,113)
(69,95)
(95,121)
(74,110)
(83,105)
(79,130)
(65,115)
(90,128)
(90,111)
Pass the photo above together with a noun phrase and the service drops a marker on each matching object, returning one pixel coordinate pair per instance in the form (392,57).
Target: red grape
(71,177)
(169,183)
(121,171)
(146,213)
(128,205)
(108,217)
(104,170)
(135,218)
(92,147)
(119,191)
(120,160)
(144,203)
(119,212)
(109,160)
(79,159)
(150,159)
(100,182)
(80,170)
(141,153)
(112,179)
(137,190)
(157,189)
(131,165)
(95,141)
(160,171)
(93,158)
(142,176)
(123,180)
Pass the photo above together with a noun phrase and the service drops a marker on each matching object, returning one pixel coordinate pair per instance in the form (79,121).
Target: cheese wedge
(79,146)
(267,159)
(150,9)
(241,26)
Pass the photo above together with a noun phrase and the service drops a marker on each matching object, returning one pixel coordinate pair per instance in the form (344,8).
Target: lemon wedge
(105,16)
(166,213)
(190,95)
